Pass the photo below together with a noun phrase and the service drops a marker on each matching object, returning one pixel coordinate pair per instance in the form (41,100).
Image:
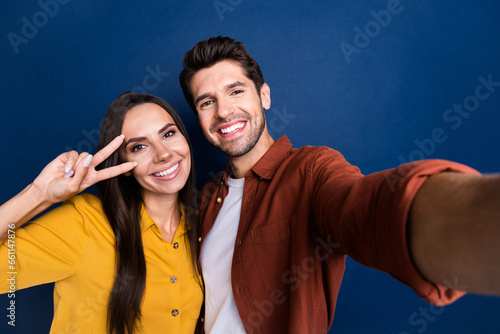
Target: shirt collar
(147,221)
(267,166)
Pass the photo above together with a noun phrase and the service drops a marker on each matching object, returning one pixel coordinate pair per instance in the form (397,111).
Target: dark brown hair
(211,51)
(122,202)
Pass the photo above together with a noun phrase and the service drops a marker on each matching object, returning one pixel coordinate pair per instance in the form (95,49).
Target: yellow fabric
(73,246)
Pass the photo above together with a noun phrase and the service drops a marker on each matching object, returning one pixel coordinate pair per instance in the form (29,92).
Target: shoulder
(322,165)
(316,155)
(314,150)
(85,202)
(86,208)
(73,220)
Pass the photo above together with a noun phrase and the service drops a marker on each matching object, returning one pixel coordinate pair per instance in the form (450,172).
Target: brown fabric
(303,211)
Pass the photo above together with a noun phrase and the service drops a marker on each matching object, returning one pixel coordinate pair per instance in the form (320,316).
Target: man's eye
(236,92)
(138,147)
(206,104)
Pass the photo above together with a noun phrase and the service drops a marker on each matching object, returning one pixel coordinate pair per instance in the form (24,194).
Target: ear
(265,96)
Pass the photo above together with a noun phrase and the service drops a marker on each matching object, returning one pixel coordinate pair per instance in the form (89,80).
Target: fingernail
(87,161)
(135,163)
(68,168)
(123,136)
(68,174)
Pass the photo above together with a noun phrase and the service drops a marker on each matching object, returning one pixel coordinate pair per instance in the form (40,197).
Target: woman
(125,262)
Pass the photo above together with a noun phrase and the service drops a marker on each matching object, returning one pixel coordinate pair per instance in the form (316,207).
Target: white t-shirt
(221,314)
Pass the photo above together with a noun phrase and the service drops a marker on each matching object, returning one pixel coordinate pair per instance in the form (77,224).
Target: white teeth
(168,171)
(232,128)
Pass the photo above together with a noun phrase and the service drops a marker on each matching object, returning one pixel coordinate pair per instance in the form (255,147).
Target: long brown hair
(122,202)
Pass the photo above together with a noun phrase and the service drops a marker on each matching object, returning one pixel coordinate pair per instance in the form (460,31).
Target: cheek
(204,124)
(188,162)
(178,146)
(140,170)
(143,163)
(184,151)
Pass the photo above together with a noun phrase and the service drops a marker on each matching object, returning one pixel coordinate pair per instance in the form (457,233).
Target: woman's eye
(138,147)
(169,134)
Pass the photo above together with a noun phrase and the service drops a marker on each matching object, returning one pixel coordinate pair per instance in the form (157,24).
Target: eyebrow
(226,87)
(136,139)
(201,97)
(235,84)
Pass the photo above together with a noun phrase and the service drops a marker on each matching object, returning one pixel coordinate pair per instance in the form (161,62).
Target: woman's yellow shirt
(73,246)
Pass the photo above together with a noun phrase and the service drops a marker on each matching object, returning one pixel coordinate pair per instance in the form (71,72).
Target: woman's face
(153,140)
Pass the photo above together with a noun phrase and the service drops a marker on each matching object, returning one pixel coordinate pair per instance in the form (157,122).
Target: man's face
(230,111)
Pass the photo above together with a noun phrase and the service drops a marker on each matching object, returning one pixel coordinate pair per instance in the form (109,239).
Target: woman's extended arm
(65,176)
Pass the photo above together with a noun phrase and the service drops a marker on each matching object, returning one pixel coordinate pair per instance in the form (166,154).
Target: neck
(242,165)
(165,212)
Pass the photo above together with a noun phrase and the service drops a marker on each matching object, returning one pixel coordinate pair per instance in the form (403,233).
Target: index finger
(107,150)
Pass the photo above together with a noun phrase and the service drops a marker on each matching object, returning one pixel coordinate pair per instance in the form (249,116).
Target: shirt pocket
(271,246)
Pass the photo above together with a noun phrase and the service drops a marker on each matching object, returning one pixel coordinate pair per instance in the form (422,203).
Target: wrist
(35,196)
(21,208)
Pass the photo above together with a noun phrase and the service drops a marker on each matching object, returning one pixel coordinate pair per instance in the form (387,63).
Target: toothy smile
(232,128)
(167,171)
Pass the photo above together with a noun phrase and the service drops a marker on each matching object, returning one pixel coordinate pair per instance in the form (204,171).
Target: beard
(238,147)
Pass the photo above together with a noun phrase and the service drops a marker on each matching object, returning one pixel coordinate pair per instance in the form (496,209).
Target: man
(278,222)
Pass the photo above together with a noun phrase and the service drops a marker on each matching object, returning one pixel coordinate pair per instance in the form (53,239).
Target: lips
(168,171)
(231,128)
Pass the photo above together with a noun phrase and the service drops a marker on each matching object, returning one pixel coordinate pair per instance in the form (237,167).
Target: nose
(162,152)
(224,108)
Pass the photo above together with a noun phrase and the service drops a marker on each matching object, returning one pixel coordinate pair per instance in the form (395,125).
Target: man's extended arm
(454,231)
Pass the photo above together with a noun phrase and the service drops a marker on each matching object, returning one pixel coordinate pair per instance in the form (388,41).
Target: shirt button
(173,279)
(176,245)
(199,239)
(219,199)
(175,312)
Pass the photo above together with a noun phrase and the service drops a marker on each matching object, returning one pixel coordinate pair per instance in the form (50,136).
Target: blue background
(374,105)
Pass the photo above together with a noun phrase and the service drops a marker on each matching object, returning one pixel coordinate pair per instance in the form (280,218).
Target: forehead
(147,114)
(217,77)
